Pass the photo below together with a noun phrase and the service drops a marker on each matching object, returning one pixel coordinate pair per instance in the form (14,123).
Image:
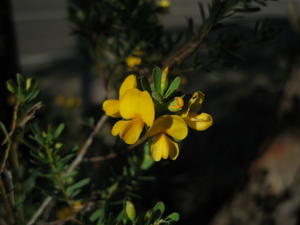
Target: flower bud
(164,80)
(130,210)
(176,104)
(28,83)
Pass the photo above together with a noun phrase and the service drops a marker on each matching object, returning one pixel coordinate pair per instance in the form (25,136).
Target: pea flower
(164,129)
(111,106)
(133,61)
(164,3)
(196,121)
(134,106)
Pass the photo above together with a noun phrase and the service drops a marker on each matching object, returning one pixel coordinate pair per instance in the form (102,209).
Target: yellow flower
(196,121)
(133,61)
(163,128)
(111,106)
(164,3)
(134,106)
(69,211)
(137,108)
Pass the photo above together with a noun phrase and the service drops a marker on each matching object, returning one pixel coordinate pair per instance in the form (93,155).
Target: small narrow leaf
(78,185)
(145,84)
(173,87)
(20,79)
(10,86)
(157,96)
(95,215)
(173,217)
(59,130)
(156,73)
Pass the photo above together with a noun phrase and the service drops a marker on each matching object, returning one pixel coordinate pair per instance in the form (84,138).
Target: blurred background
(244,169)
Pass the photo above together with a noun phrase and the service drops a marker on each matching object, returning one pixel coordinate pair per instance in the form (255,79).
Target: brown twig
(15,126)
(76,162)
(100,158)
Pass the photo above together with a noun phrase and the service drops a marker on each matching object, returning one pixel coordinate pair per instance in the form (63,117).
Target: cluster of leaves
(127,215)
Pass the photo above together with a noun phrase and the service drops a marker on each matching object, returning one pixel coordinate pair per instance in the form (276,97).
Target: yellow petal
(173,150)
(133,61)
(194,103)
(111,107)
(128,130)
(120,127)
(146,108)
(130,104)
(133,133)
(128,83)
(173,125)
(163,147)
(199,122)
(135,103)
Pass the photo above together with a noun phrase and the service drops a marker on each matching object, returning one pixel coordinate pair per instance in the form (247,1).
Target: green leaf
(158,210)
(157,96)
(145,84)
(20,79)
(80,184)
(173,217)
(173,87)
(130,210)
(156,73)
(11,86)
(96,214)
(59,130)
(147,160)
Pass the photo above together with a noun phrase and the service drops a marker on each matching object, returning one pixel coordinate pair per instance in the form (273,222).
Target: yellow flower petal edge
(173,125)
(129,83)
(146,108)
(162,148)
(128,130)
(199,122)
(111,108)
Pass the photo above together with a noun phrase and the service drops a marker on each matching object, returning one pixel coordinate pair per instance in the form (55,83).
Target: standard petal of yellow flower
(128,130)
(146,108)
(133,61)
(130,103)
(129,83)
(173,125)
(111,107)
(199,122)
(135,103)
(163,147)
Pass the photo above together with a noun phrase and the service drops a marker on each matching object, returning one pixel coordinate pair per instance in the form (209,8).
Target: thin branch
(15,126)
(86,145)
(100,158)
(76,162)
